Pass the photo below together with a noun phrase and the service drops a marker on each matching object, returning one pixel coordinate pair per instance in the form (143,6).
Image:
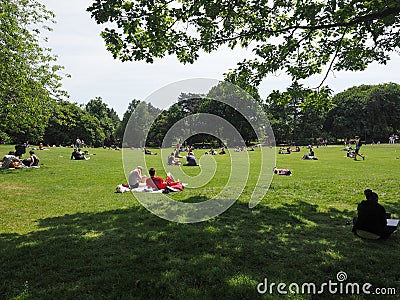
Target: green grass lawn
(65,234)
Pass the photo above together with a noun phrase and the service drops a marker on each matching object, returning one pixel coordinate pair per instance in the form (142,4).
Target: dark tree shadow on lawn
(131,254)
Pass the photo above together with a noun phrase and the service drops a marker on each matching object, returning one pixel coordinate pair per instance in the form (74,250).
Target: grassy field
(66,234)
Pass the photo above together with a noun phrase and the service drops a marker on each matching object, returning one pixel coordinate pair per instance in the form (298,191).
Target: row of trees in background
(297,115)
(33,106)
(304,115)
(95,123)
(62,122)
(299,38)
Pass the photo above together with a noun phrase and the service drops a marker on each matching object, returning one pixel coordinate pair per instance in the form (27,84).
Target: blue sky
(80,49)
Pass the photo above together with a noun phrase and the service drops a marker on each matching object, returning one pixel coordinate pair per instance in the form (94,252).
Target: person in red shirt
(157,182)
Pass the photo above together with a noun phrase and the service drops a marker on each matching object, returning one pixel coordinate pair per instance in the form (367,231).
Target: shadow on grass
(131,254)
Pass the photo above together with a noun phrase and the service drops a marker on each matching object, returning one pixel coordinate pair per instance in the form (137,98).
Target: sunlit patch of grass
(13,190)
(242,279)
(92,235)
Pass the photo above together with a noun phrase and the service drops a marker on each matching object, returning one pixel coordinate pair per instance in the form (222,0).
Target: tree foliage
(68,121)
(225,101)
(125,118)
(107,117)
(298,114)
(370,111)
(297,37)
(140,117)
(29,76)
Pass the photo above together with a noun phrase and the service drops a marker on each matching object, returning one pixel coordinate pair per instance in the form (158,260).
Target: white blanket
(143,189)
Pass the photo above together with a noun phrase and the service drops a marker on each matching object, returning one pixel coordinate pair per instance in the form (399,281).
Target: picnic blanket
(23,167)
(122,188)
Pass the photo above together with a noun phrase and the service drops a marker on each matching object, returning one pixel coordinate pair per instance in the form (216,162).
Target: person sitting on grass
(32,161)
(297,149)
(191,160)
(136,177)
(212,152)
(157,183)
(172,161)
(371,217)
(41,147)
(148,152)
(78,156)
(350,154)
(310,155)
(284,150)
(177,152)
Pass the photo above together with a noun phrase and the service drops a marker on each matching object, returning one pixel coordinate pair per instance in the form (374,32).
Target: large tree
(370,111)
(224,100)
(119,133)
(299,37)
(141,116)
(69,121)
(298,114)
(29,79)
(108,118)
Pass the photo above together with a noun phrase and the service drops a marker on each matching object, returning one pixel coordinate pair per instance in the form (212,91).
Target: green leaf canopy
(298,37)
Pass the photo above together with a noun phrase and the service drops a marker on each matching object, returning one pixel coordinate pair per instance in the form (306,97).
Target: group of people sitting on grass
(190,160)
(309,156)
(78,154)
(288,150)
(215,152)
(12,161)
(136,179)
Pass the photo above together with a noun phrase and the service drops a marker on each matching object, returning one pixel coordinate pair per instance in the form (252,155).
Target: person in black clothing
(372,217)
(32,161)
(20,149)
(78,156)
(191,160)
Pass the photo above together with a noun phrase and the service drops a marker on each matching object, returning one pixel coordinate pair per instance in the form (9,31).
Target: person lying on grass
(286,172)
(148,152)
(297,149)
(284,150)
(78,155)
(157,183)
(10,161)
